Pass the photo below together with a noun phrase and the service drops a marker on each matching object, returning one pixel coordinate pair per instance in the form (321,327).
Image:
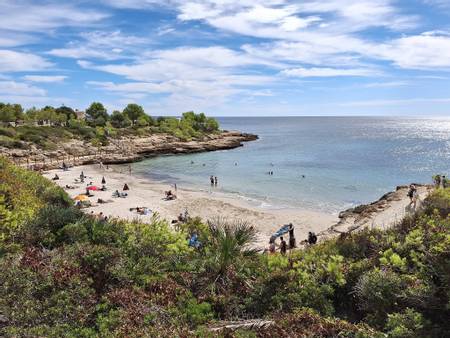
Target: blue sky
(229,57)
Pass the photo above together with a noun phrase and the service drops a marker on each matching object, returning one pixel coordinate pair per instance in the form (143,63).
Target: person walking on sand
(411,194)
(129,169)
(283,246)
(291,236)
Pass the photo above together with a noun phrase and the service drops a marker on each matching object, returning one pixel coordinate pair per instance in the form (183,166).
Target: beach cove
(209,205)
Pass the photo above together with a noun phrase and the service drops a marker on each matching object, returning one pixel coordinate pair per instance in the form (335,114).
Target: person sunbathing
(170,196)
(70,186)
(119,194)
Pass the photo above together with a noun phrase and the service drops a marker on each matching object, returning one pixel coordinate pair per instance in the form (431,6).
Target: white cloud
(19,89)
(194,75)
(11,61)
(8,39)
(100,45)
(45,78)
(328,72)
(28,16)
(387,84)
(426,51)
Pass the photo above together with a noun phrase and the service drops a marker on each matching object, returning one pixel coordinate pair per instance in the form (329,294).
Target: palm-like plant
(229,249)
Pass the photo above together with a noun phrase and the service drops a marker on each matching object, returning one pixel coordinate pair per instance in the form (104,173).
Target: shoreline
(123,150)
(145,192)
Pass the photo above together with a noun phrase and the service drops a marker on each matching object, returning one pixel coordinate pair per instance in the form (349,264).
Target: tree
(119,120)
(133,112)
(7,114)
(67,111)
(211,124)
(11,112)
(97,114)
(143,121)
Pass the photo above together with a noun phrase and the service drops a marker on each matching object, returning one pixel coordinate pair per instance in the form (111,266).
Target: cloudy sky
(229,57)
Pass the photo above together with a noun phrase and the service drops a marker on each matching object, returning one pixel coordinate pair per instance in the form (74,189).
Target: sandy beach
(210,205)
(146,193)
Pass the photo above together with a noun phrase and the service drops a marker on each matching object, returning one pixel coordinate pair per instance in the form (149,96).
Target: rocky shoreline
(123,150)
(385,212)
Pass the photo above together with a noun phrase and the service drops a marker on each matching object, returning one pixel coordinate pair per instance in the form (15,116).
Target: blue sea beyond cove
(345,160)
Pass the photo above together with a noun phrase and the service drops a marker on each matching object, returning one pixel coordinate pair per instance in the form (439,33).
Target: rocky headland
(122,150)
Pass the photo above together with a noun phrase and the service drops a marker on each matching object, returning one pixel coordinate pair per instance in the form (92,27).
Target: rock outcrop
(123,150)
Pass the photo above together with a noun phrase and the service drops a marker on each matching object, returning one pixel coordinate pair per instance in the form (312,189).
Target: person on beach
(437,181)
(129,169)
(291,236)
(412,194)
(211,179)
(55,178)
(283,246)
(272,247)
(103,180)
(88,193)
(82,175)
(64,166)
(125,187)
(312,238)
(215,181)
(444,182)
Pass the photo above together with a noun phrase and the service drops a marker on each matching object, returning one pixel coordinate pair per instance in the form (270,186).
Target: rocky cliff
(122,150)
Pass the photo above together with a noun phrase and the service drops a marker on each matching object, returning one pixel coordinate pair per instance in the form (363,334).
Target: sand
(146,193)
(211,205)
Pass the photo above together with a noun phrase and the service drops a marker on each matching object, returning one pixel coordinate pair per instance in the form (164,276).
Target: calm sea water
(345,160)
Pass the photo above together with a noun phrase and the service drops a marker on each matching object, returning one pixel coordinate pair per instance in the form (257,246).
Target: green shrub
(407,324)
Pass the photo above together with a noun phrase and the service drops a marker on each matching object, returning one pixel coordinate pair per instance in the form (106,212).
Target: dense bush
(66,274)
(47,127)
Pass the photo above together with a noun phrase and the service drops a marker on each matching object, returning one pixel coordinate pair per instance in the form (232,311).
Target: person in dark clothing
(291,236)
(215,181)
(312,238)
(283,246)
(126,187)
(103,180)
(211,179)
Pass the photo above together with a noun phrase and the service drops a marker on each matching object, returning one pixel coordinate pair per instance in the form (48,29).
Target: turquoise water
(345,160)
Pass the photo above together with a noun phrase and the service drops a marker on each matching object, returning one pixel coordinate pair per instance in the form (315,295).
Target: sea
(320,163)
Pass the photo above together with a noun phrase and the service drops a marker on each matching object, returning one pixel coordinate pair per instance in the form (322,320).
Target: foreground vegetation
(65,274)
(47,127)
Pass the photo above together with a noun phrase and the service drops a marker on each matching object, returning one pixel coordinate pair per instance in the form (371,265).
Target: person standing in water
(211,179)
(215,181)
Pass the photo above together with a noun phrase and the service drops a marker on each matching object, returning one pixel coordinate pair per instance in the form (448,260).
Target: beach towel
(280,232)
